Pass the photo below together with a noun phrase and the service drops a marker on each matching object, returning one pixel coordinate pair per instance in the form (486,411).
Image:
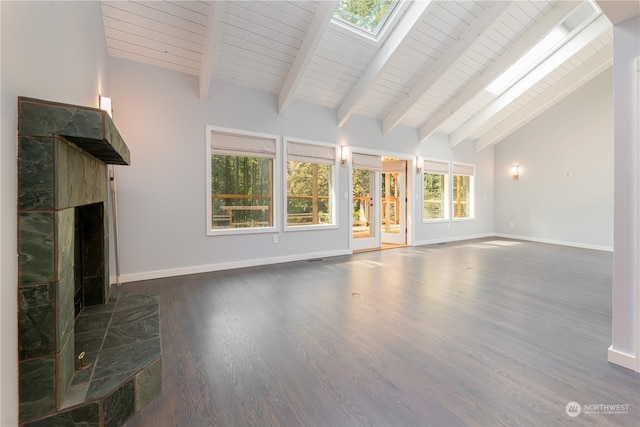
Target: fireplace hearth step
(121,341)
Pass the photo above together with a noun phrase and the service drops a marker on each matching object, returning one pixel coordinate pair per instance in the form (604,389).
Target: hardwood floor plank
(482,332)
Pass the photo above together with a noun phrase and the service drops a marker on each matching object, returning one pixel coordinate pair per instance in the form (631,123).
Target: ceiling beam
(412,17)
(471,35)
(312,39)
(589,69)
(570,48)
(519,48)
(210,44)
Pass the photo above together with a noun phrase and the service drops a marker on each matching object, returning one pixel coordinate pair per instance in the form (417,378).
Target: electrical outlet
(275,238)
(511,224)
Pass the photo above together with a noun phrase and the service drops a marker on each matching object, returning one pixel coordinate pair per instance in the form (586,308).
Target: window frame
(471,207)
(333,182)
(349,29)
(275,179)
(448,203)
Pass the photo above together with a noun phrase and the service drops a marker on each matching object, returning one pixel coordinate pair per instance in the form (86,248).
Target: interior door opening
(378,202)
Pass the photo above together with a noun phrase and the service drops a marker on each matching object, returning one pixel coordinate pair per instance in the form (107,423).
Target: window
(462,193)
(365,16)
(240,181)
(310,184)
(435,181)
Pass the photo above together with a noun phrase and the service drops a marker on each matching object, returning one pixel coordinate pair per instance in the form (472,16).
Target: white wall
(161,196)
(54,51)
(576,136)
(625,347)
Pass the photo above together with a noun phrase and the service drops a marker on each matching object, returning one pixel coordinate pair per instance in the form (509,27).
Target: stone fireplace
(63,276)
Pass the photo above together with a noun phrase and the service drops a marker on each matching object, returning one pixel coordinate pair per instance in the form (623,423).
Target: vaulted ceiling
(429,70)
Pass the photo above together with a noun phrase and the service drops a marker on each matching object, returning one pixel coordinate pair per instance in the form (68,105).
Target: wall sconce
(515,171)
(105,105)
(344,155)
(419,164)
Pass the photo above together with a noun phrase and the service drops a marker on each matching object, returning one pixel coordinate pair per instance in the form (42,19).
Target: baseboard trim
(183,271)
(451,239)
(556,242)
(622,359)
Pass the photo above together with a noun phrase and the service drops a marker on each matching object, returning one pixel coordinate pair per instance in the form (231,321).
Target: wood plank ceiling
(428,70)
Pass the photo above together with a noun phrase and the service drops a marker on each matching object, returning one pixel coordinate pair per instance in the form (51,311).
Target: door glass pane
(390,204)
(362,201)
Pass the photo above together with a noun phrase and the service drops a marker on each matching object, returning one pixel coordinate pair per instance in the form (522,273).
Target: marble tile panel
(36,320)
(83,376)
(41,118)
(84,416)
(101,387)
(132,325)
(35,173)
(148,384)
(70,174)
(119,406)
(65,360)
(127,358)
(65,244)
(87,322)
(35,247)
(84,177)
(89,341)
(75,395)
(65,312)
(61,173)
(36,388)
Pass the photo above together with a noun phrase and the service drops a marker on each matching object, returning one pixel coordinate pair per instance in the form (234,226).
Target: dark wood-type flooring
(484,332)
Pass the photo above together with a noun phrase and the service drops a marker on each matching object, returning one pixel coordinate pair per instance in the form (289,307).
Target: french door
(393,218)
(366,206)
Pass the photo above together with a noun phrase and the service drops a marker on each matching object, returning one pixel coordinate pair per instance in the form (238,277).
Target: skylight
(581,17)
(365,16)
(529,60)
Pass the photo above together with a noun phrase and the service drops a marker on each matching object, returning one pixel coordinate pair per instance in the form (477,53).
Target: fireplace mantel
(90,129)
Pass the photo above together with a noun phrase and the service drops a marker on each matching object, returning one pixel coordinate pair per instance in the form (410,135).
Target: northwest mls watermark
(573,409)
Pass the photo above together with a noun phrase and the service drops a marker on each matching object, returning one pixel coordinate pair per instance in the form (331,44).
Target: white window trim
(334,190)
(275,187)
(348,29)
(448,203)
(472,192)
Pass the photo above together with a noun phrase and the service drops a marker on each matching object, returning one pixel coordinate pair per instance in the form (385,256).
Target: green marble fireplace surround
(63,259)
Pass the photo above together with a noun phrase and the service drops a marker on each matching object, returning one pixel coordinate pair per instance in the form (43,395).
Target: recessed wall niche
(63,249)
